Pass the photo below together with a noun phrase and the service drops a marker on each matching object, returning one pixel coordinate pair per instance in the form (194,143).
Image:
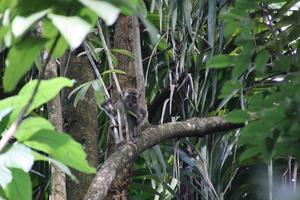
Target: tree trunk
(127,37)
(58,177)
(80,122)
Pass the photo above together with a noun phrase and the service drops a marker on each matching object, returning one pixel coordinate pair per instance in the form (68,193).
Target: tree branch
(195,127)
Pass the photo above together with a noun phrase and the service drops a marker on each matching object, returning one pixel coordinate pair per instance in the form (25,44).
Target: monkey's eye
(134,99)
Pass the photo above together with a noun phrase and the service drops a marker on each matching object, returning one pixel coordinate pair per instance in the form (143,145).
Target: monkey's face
(131,99)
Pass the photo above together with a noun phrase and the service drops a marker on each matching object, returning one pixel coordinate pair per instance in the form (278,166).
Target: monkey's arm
(111,111)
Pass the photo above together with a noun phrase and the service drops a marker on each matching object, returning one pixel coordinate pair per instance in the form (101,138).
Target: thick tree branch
(195,127)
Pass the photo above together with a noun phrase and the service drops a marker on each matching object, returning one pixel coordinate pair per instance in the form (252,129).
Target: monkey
(132,112)
(127,113)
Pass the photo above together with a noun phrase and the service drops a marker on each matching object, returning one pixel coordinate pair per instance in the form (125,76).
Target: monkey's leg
(115,132)
(120,132)
(127,130)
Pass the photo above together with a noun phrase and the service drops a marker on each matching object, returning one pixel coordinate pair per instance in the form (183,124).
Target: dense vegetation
(238,59)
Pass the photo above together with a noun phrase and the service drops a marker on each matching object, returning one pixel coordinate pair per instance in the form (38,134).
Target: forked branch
(195,127)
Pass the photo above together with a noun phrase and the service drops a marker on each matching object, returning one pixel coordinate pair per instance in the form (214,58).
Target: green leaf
(261,60)
(20,58)
(20,187)
(81,93)
(248,153)
(152,31)
(5,112)
(73,29)
(61,147)
(255,133)
(31,125)
(3,32)
(117,71)
(98,92)
(230,87)
(6,4)
(245,4)
(235,14)
(20,24)
(231,27)
(47,90)
(282,63)
(123,52)
(61,166)
(60,47)
(237,116)
(242,63)
(108,12)
(17,156)
(220,61)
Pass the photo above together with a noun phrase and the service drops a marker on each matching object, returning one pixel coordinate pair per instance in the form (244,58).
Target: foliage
(239,59)
(64,23)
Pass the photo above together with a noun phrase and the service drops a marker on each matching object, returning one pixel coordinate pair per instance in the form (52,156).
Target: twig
(12,129)
(87,49)
(110,64)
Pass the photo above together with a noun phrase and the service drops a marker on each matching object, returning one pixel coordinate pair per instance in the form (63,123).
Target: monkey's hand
(108,107)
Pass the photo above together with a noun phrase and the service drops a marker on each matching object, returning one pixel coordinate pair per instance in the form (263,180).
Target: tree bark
(58,177)
(195,127)
(127,37)
(81,122)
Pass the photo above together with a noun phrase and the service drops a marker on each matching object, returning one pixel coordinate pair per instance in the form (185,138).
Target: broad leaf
(220,61)
(73,29)
(61,166)
(230,88)
(47,90)
(237,116)
(5,112)
(20,24)
(248,153)
(61,147)
(18,156)
(20,187)
(31,125)
(50,32)
(19,60)
(261,60)
(108,12)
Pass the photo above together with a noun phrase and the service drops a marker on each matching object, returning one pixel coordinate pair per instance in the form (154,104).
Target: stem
(12,129)
(87,50)
(110,64)
(270,176)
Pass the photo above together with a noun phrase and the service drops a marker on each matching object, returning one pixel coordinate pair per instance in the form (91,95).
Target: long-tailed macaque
(128,114)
